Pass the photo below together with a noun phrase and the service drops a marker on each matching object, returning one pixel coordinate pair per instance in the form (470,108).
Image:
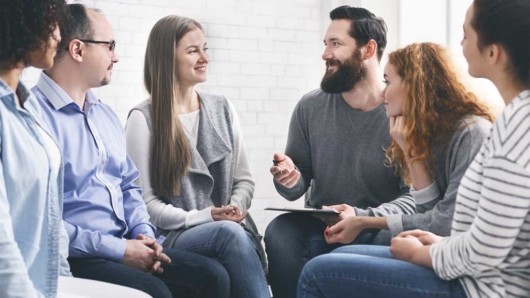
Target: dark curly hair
(25,26)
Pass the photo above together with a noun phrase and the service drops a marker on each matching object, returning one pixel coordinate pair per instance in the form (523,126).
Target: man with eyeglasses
(111,238)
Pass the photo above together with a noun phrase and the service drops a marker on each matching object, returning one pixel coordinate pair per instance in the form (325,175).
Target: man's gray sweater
(341,150)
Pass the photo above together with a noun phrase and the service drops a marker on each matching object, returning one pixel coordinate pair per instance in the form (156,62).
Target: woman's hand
(332,219)
(414,247)
(230,212)
(398,131)
(426,238)
(345,231)
(404,248)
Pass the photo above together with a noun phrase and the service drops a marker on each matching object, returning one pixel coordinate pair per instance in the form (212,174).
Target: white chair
(72,287)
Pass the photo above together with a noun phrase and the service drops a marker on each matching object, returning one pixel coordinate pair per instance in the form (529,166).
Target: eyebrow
(333,39)
(196,46)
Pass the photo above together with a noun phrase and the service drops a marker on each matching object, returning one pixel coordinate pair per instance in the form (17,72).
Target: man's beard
(347,75)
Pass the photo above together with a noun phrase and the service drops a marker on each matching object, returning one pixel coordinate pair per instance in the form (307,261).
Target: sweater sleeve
(163,215)
(299,150)
(243,184)
(403,204)
(435,209)
(503,205)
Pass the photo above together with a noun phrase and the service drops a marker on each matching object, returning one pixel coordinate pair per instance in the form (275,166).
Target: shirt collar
(5,91)
(58,97)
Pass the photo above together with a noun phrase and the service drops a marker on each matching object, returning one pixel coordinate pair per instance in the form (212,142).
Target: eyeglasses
(111,44)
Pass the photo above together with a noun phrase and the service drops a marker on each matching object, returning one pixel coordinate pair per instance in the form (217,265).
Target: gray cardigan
(435,204)
(211,173)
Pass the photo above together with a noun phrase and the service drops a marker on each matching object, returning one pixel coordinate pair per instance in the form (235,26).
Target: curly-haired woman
(31,232)
(437,128)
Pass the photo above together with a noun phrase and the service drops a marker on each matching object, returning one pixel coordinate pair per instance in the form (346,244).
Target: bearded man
(336,142)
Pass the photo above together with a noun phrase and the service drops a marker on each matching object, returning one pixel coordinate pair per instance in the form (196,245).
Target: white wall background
(264,55)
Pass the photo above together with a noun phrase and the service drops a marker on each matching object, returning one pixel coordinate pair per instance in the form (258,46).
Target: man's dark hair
(77,25)
(364,26)
(506,22)
(25,26)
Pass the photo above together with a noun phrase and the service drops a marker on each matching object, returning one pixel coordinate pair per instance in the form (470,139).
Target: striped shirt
(489,247)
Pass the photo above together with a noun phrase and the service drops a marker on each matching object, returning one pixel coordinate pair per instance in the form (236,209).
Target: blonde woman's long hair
(170,152)
(435,102)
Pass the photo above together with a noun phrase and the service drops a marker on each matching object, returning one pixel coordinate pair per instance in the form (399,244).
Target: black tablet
(304,210)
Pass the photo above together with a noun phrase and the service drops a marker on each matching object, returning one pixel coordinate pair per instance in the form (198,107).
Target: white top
(164,215)
(190,123)
(489,247)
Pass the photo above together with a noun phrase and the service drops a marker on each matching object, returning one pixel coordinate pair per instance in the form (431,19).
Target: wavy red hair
(436,101)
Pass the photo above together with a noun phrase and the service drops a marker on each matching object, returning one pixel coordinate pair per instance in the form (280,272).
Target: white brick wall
(265,54)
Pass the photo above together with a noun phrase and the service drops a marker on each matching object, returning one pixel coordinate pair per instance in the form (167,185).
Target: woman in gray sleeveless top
(191,156)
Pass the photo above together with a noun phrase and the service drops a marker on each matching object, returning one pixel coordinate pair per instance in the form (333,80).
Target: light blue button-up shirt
(30,202)
(102,204)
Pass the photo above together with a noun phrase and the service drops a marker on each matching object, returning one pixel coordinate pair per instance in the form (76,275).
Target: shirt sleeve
(134,207)
(87,243)
(163,215)
(243,184)
(503,205)
(14,276)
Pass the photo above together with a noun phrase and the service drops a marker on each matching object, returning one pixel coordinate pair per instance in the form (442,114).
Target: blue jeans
(228,243)
(291,240)
(188,275)
(370,271)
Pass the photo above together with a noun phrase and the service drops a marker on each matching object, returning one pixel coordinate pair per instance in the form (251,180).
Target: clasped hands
(413,246)
(145,254)
(230,212)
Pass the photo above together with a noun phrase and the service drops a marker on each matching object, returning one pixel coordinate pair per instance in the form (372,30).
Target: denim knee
(232,231)
(277,228)
(218,280)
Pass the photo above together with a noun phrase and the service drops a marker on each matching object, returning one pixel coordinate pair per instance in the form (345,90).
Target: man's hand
(162,257)
(344,209)
(143,253)
(230,212)
(284,171)
(345,231)
(332,219)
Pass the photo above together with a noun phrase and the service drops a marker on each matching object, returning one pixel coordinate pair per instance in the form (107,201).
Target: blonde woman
(190,153)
